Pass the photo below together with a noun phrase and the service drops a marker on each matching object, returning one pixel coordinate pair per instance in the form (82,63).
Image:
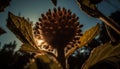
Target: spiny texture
(58,27)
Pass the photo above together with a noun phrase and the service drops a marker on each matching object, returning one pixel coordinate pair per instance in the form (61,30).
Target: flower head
(58,27)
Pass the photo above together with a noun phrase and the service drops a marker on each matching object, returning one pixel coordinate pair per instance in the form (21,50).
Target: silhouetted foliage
(94,43)
(2,31)
(92,10)
(107,64)
(116,17)
(103,36)
(107,33)
(7,55)
(95,1)
(10,59)
(76,62)
(22,60)
(103,65)
(4,4)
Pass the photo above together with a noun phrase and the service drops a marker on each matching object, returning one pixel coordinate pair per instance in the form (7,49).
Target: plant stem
(109,22)
(61,57)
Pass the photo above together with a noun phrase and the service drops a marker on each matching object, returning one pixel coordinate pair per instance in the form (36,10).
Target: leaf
(22,29)
(101,53)
(88,7)
(51,61)
(86,38)
(89,35)
(46,61)
(27,48)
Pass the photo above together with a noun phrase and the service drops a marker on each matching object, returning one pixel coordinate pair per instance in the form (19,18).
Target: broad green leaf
(86,38)
(21,28)
(102,52)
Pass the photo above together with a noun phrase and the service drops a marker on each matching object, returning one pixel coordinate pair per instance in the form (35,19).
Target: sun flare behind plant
(59,29)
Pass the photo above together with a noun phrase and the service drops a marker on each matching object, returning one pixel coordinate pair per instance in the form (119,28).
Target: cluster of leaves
(85,39)
(105,54)
(11,59)
(103,48)
(15,22)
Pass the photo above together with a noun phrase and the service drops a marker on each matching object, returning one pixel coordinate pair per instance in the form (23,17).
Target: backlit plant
(59,29)
(58,34)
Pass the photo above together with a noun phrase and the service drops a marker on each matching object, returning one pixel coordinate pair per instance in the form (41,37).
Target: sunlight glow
(42,46)
(39,42)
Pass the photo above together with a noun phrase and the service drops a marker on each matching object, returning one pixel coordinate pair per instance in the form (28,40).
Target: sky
(33,9)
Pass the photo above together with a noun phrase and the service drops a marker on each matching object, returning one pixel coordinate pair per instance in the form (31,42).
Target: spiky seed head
(59,27)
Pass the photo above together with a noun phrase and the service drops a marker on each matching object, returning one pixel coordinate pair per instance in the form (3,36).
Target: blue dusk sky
(32,9)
